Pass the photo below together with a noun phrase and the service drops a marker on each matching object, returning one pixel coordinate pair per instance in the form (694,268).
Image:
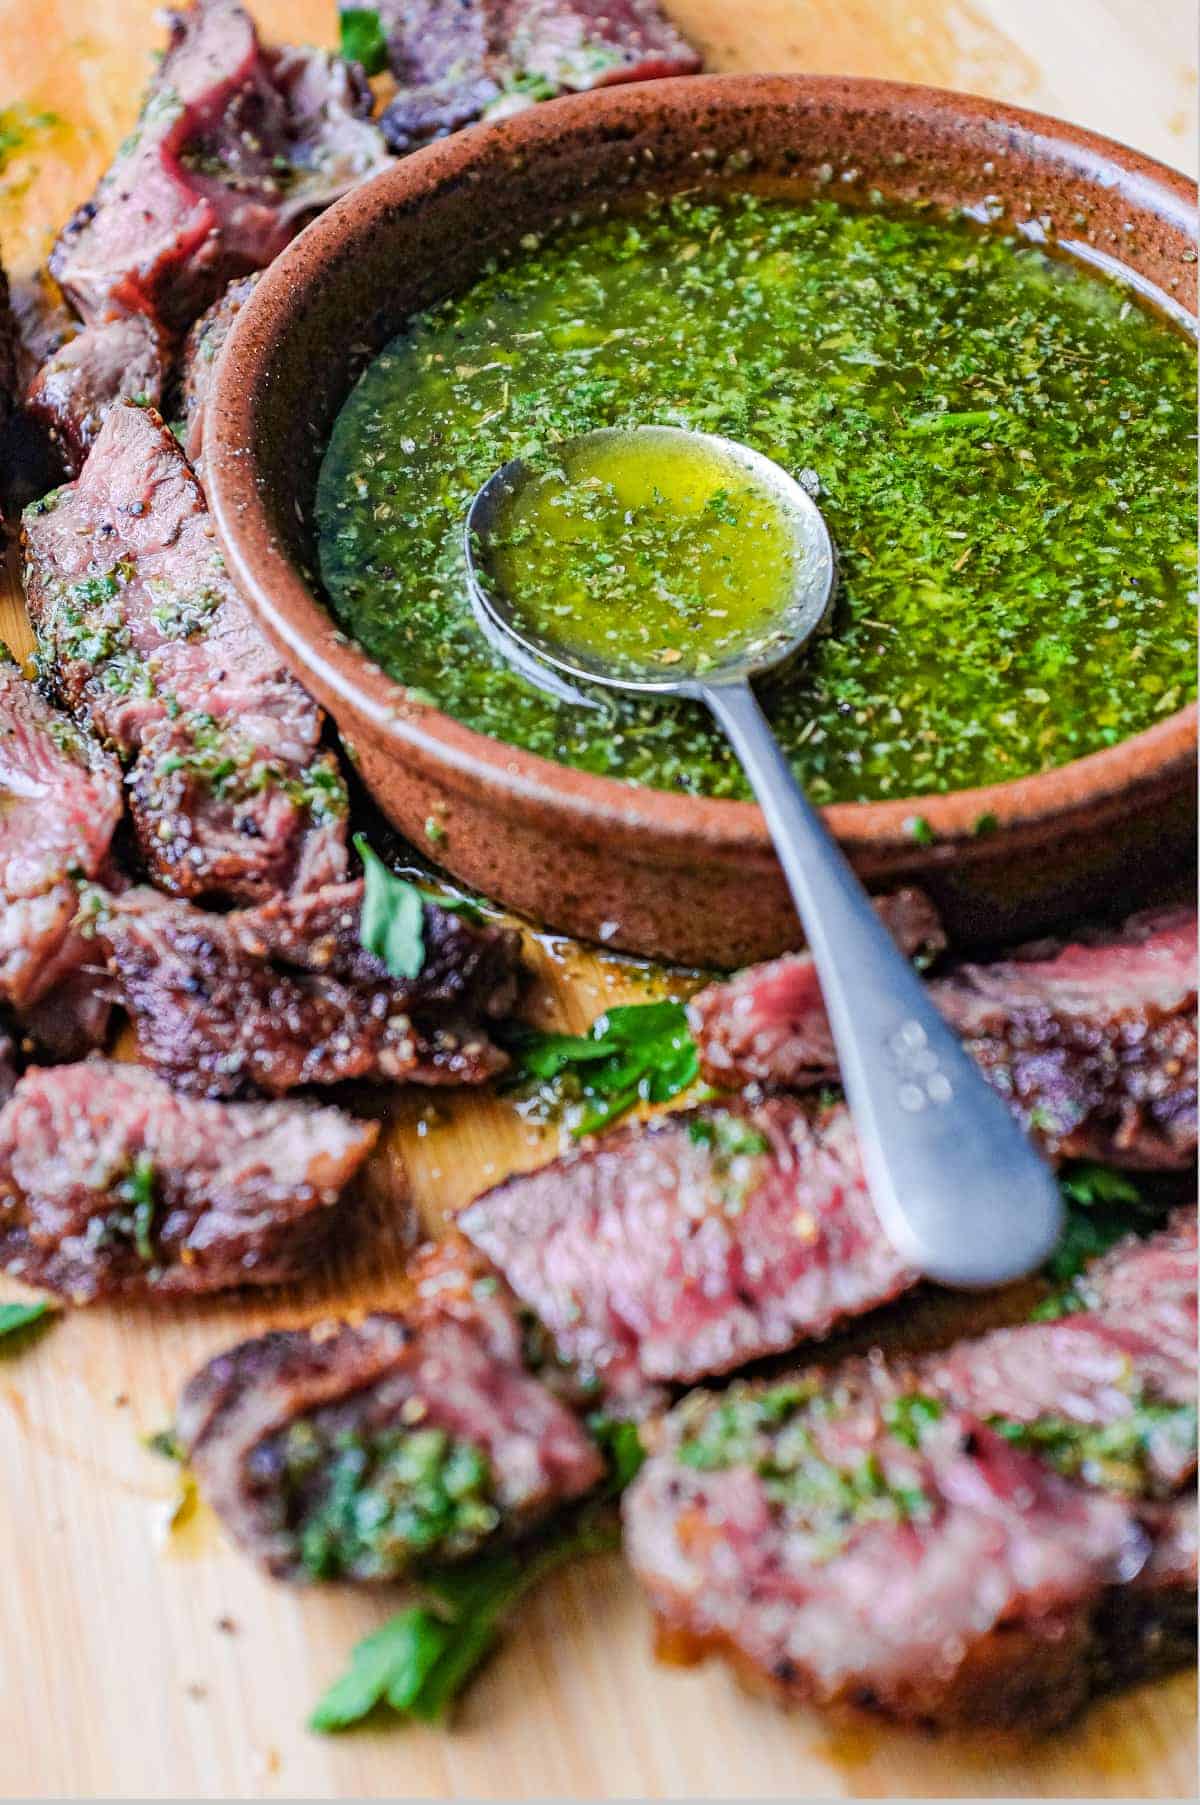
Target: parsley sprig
(14,1318)
(418,1664)
(363,39)
(637,1053)
(420,1661)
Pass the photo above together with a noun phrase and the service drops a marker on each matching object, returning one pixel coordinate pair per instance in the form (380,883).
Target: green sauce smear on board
(1001,442)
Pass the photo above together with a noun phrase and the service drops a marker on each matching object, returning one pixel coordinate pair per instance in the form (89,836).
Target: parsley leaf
(392,924)
(637,1053)
(622,1446)
(15,1317)
(420,1661)
(909,1415)
(1102,1207)
(363,39)
(388,1667)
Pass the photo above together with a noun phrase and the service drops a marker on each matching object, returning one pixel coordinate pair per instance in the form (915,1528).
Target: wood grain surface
(139,1662)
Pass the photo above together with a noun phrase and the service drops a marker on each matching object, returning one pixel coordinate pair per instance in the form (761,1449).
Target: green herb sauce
(1002,444)
(1115,1456)
(774,1431)
(371,1505)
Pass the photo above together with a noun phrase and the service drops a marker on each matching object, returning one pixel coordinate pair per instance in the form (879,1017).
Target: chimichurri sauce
(1002,445)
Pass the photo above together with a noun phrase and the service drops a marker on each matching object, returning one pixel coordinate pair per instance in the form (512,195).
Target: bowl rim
(343,676)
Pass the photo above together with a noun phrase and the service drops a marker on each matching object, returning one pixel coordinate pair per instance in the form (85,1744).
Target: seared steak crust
(203,346)
(60,802)
(110,1182)
(121,359)
(353,1452)
(927,1541)
(1093,1044)
(235,148)
(455,60)
(269,999)
(669,1252)
(141,630)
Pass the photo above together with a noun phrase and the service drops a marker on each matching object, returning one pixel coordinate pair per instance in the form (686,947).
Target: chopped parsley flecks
(369,1506)
(1115,1456)
(1003,443)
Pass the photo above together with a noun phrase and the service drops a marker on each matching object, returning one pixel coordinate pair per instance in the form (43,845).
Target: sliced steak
(29,462)
(44,323)
(8,356)
(687,1247)
(121,359)
(458,60)
(355,1452)
(937,1575)
(111,1183)
(863,1536)
(60,802)
(1093,1044)
(768,1023)
(1107,1395)
(235,148)
(203,346)
(73,1018)
(447,58)
(269,999)
(141,630)
(8,1067)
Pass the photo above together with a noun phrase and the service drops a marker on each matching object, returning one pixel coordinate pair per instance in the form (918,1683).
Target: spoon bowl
(813,565)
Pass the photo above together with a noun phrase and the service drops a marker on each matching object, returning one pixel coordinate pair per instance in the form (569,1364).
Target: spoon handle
(960,1191)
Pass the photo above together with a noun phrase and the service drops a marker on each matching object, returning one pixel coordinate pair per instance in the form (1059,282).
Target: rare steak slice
(141,630)
(1107,1395)
(235,148)
(768,1024)
(285,995)
(110,1182)
(458,60)
(358,1452)
(202,348)
(932,1573)
(121,359)
(668,1252)
(1093,1043)
(60,802)
(983,1536)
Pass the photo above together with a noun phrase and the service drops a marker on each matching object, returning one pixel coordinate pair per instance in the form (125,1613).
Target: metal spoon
(961,1193)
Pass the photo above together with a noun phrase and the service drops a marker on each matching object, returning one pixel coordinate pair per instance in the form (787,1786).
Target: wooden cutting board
(140,1662)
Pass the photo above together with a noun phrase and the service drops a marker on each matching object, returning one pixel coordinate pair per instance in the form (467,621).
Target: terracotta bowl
(677,876)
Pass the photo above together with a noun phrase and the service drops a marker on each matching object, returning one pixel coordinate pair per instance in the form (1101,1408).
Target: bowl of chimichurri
(964,328)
